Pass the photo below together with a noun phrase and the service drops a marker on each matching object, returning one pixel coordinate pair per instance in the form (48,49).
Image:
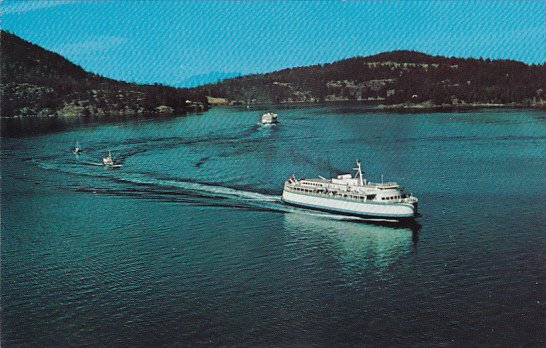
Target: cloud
(18,7)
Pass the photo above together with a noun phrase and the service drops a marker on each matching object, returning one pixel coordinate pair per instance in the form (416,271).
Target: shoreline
(373,107)
(419,107)
(30,125)
(407,107)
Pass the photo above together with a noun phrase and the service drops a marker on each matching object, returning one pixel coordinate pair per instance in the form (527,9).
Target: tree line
(393,78)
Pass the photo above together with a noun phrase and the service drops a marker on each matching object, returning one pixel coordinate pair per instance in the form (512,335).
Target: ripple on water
(189,243)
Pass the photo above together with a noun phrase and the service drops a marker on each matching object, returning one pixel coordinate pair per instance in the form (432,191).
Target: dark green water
(188,244)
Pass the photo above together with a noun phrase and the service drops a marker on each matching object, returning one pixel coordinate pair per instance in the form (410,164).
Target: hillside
(37,82)
(395,79)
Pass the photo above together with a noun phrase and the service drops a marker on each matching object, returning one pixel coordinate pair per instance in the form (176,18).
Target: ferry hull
(345,207)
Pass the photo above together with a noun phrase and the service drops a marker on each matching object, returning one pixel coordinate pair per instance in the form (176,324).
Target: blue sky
(172,41)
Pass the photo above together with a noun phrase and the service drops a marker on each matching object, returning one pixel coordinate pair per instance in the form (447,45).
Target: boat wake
(215,195)
(88,175)
(141,185)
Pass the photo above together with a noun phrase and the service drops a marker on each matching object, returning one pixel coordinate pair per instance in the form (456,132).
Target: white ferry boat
(269,118)
(351,196)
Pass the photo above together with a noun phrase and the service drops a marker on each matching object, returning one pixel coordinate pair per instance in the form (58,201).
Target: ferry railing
(326,193)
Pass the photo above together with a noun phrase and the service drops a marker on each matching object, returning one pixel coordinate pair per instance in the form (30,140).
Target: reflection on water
(34,125)
(357,245)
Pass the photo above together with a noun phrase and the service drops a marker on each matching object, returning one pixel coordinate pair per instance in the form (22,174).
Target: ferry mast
(359,173)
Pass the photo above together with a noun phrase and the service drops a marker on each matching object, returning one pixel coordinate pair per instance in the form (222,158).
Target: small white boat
(109,161)
(77,149)
(269,118)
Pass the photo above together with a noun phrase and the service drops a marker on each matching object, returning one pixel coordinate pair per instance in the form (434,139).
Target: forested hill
(395,79)
(35,81)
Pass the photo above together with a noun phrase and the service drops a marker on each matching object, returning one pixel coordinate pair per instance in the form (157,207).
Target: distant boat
(269,118)
(109,161)
(77,148)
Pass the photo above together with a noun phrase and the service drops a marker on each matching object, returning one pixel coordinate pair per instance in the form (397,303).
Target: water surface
(189,244)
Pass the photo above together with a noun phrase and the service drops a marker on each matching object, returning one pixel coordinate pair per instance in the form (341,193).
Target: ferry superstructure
(350,195)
